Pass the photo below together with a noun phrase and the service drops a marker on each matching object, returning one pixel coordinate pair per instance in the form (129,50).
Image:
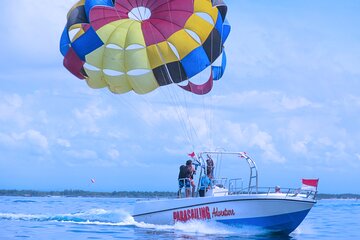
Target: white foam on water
(91,216)
(121,217)
(21,216)
(304,228)
(204,228)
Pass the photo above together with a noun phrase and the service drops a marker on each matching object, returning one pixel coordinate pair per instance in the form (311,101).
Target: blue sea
(46,218)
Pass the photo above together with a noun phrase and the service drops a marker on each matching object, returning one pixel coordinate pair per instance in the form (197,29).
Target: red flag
(191,154)
(310,184)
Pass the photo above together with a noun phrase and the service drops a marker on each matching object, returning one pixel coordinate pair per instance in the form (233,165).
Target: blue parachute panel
(223,28)
(87,43)
(89,4)
(64,42)
(195,62)
(226,31)
(218,71)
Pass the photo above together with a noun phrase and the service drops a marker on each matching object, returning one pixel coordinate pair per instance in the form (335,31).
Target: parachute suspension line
(220,49)
(208,112)
(206,105)
(127,104)
(172,97)
(178,108)
(132,107)
(179,111)
(175,103)
(122,101)
(211,99)
(206,109)
(190,127)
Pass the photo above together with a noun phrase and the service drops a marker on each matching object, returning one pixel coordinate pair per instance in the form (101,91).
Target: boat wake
(121,217)
(92,216)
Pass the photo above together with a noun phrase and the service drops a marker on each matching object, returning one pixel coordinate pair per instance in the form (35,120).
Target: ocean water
(47,218)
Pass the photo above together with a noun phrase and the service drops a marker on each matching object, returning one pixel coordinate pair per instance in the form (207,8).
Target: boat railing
(219,182)
(271,191)
(236,185)
(253,177)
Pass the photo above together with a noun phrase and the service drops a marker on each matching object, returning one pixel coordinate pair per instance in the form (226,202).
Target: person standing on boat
(186,179)
(183,180)
(190,175)
(210,167)
(205,184)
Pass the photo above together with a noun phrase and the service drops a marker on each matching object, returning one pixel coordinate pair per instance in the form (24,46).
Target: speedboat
(228,201)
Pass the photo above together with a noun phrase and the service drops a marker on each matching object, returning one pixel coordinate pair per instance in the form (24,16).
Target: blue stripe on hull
(284,223)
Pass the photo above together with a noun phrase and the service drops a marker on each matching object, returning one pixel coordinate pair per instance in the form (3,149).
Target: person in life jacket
(210,167)
(190,174)
(205,184)
(185,178)
(183,181)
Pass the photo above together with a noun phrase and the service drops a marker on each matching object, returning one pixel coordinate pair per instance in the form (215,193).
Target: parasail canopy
(139,45)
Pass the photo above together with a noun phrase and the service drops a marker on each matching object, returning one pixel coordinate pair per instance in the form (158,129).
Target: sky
(290,98)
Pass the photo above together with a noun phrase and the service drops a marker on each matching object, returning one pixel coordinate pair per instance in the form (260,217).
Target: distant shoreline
(81,193)
(133,194)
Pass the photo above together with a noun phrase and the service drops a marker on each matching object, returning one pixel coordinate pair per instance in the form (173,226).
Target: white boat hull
(276,212)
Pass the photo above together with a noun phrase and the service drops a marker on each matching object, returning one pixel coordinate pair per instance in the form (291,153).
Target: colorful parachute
(140,45)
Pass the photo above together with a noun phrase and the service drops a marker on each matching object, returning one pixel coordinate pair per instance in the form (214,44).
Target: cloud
(29,137)
(37,138)
(155,114)
(300,146)
(100,158)
(113,153)
(349,103)
(294,103)
(295,49)
(272,101)
(91,114)
(320,140)
(12,108)
(82,154)
(119,135)
(35,29)
(87,157)
(6,139)
(63,142)
(249,135)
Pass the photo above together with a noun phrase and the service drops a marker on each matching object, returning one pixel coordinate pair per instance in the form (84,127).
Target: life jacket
(183,172)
